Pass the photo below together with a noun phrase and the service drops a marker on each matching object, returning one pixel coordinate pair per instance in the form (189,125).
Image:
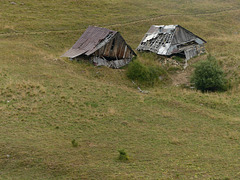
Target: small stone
(160,78)
(13,3)
(8,156)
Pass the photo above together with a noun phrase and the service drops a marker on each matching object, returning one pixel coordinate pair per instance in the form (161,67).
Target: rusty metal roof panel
(71,53)
(89,41)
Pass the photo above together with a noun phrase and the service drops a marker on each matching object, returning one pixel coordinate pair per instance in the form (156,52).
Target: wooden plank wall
(120,50)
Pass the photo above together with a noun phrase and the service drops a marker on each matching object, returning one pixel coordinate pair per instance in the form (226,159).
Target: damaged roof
(90,41)
(164,39)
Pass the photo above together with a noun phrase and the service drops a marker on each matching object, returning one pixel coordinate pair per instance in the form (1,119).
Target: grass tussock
(20,90)
(123,155)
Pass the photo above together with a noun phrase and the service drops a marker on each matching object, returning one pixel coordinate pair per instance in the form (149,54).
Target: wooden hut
(167,40)
(103,47)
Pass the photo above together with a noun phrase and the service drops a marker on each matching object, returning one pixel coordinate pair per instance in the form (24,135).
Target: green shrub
(209,76)
(137,71)
(123,155)
(74,143)
(147,75)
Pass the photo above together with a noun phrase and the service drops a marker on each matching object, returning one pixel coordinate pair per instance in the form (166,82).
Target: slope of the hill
(46,101)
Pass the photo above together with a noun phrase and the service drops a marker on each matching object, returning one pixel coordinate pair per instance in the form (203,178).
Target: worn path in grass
(116,25)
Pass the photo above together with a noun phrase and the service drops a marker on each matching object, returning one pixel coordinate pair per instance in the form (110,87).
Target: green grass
(46,101)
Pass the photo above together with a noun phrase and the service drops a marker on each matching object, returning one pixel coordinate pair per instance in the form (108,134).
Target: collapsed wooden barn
(103,47)
(167,40)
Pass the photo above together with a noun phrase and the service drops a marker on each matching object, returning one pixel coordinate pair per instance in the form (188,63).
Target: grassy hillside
(47,101)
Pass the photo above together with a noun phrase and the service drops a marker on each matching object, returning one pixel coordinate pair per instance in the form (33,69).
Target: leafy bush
(209,76)
(123,155)
(74,143)
(147,75)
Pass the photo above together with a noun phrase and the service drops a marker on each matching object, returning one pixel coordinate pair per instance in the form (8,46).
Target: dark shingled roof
(87,43)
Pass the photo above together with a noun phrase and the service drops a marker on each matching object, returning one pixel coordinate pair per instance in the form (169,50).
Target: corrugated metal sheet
(165,39)
(88,42)
(158,39)
(112,64)
(101,42)
(154,29)
(105,47)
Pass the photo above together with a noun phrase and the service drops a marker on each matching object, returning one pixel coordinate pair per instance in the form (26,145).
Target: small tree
(209,76)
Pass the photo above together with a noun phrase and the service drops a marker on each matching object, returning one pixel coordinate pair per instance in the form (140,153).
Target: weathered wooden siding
(116,48)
